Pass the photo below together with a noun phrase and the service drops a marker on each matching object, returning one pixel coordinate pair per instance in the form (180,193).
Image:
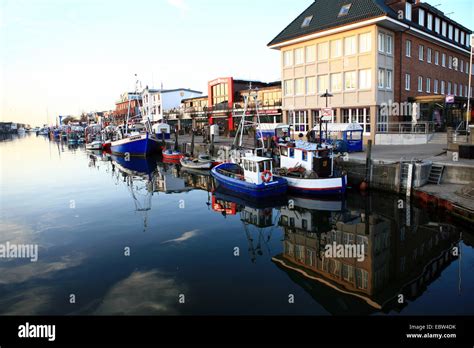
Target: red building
(133,100)
(223,94)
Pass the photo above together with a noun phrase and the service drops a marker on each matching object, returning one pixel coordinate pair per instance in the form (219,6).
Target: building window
(420,84)
(450,62)
(349,80)
(365,79)
(437,25)
(443,60)
(299,121)
(450,32)
(365,42)
(350,46)
(428,55)
(435,87)
(381,38)
(468,38)
(288,87)
(306,21)
(436,57)
(381,78)
(460,90)
(408,48)
(429,24)
(322,84)
(323,53)
(421,17)
(310,54)
(408,10)
(299,56)
(462,38)
(344,10)
(428,85)
(389,48)
(444,25)
(449,88)
(442,87)
(310,85)
(421,52)
(336,48)
(360,116)
(455,63)
(287,58)
(299,87)
(336,82)
(407,82)
(456,35)
(388,80)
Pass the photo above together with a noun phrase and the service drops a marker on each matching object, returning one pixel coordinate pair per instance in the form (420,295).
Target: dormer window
(408,11)
(344,10)
(307,21)
(421,17)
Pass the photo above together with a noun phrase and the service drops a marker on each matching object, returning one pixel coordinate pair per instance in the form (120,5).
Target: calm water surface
(85,211)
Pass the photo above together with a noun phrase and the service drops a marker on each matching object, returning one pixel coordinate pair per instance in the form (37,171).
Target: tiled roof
(326,15)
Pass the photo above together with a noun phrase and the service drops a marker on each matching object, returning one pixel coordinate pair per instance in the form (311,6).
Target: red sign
(326,112)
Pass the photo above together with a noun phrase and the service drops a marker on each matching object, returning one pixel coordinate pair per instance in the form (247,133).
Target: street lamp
(326,95)
(469,89)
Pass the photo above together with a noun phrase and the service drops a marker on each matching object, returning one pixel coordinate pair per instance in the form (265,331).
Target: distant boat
(21,131)
(139,145)
(202,162)
(252,177)
(172,156)
(95,145)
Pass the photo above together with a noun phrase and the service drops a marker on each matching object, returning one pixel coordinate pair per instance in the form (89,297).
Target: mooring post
(368,163)
(192,142)
(212,145)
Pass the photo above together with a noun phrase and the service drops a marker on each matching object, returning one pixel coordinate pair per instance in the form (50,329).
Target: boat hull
(277,187)
(317,187)
(136,146)
(196,165)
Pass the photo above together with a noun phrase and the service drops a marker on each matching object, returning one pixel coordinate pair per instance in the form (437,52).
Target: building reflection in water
(400,259)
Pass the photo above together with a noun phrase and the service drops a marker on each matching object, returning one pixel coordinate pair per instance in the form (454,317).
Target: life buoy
(266,176)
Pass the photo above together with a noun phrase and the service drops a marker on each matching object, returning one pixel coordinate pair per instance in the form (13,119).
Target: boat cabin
(162,129)
(256,169)
(310,156)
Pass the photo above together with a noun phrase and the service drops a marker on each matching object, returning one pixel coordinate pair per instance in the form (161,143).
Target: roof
(194,98)
(340,127)
(255,158)
(307,146)
(325,15)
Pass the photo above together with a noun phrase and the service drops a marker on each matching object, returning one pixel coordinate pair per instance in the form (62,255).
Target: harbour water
(143,237)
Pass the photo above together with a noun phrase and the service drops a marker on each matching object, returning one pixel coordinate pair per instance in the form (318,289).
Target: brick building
(130,99)
(371,53)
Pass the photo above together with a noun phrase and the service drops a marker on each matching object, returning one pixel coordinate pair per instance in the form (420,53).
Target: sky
(64,57)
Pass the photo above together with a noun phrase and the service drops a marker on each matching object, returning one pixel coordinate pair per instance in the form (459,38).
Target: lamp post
(469,89)
(326,95)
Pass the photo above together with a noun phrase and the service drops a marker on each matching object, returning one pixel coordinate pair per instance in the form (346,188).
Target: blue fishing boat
(136,145)
(252,177)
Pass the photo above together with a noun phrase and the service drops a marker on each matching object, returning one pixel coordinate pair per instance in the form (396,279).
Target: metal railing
(406,128)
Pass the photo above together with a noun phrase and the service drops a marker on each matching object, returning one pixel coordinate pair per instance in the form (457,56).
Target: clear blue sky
(69,56)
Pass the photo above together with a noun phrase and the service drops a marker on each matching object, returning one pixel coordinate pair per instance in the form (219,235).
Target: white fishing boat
(309,169)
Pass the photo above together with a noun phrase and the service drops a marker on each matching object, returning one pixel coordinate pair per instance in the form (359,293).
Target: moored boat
(172,155)
(203,161)
(138,145)
(252,177)
(309,169)
(95,145)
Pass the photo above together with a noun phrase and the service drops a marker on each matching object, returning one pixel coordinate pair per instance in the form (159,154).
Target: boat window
(292,153)
(304,155)
(284,151)
(284,220)
(261,167)
(246,165)
(253,167)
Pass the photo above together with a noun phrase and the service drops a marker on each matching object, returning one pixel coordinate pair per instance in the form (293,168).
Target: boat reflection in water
(259,218)
(140,175)
(401,256)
